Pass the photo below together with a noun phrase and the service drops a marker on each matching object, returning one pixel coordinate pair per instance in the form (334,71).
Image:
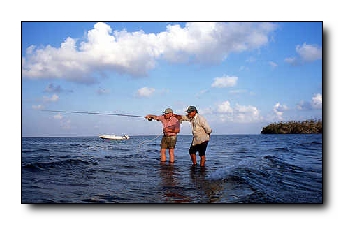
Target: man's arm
(205,125)
(151,116)
(181,117)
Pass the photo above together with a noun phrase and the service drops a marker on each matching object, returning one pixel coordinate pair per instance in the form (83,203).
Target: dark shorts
(200,148)
(168,142)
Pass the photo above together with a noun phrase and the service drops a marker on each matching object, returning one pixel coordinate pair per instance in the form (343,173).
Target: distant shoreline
(294,127)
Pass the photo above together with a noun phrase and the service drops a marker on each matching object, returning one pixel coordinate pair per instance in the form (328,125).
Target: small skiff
(114,137)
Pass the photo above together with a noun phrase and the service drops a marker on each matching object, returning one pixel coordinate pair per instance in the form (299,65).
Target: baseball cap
(191,108)
(168,110)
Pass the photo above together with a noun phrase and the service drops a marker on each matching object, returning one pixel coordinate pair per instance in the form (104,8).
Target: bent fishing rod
(91,113)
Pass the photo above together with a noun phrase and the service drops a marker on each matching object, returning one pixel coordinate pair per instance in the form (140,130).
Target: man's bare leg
(163,155)
(171,152)
(202,160)
(193,159)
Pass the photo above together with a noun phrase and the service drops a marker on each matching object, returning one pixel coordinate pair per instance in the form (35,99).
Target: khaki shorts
(168,142)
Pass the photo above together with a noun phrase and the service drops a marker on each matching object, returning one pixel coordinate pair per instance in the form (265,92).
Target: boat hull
(114,137)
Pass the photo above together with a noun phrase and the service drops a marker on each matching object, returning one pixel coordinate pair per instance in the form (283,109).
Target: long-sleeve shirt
(200,129)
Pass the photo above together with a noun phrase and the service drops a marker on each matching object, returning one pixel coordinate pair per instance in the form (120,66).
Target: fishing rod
(90,113)
(108,114)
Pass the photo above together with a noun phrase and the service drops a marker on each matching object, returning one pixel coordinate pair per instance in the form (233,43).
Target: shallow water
(239,169)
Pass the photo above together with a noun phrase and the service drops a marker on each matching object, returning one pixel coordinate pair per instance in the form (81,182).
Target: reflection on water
(211,189)
(173,192)
(200,190)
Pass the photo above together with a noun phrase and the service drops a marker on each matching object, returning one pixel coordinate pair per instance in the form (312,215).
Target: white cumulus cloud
(306,53)
(309,52)
(317,101)
(314,104)
(238,113)
(225,107)
(53,98)
(279,110)
(246,113)
(225,81)
(145,92)
(136,53)
(272,64)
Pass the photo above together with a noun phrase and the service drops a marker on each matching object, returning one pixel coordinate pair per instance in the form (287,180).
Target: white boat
(114,137)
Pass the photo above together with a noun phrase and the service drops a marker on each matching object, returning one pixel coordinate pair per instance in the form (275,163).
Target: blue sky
(241,76)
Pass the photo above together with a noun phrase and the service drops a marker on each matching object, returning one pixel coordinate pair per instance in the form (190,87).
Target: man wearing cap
(201,133)
(171,126)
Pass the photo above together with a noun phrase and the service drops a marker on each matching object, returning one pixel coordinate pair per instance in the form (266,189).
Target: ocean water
(239,169)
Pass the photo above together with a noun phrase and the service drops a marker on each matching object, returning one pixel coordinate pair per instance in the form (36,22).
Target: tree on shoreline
(294,127)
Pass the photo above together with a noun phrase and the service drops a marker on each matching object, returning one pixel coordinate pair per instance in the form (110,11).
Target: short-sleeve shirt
(172,122)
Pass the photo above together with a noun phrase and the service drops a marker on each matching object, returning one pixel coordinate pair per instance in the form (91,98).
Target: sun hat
(168,110)
(191,108)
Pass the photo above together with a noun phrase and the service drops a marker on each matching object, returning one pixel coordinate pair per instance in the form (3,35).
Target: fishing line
(91,113)
(148,141)
(108,114)
(139,149)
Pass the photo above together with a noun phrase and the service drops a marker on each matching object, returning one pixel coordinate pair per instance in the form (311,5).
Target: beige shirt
(200,129)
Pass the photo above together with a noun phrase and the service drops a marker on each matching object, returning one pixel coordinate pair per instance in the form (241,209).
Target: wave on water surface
(239,169)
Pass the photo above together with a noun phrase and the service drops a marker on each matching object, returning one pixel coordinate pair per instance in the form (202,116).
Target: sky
(241,76)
